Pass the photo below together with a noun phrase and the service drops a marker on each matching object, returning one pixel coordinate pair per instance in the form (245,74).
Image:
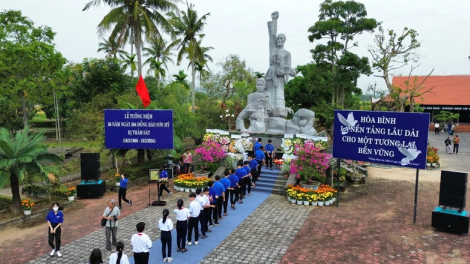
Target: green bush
(34,190)
(5,203)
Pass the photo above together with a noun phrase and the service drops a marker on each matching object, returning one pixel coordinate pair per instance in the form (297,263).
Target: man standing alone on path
(111,213)
(122,190)
(456,144)
(436,128)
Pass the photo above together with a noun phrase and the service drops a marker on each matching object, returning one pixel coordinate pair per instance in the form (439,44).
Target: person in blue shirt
(122,190)
(241,173)
(220,189)
(257,145)
(163,175)
(246,179)
(213,197)
(54,219)
(253,169)
(269,154)
(226,183)
(234,189)
(260,158)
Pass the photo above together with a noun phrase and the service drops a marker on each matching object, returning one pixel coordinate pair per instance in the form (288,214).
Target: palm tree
(258,75)
(24,153)
(181,78)
(187,28)
(201,61)
(134,18)
(158,69)
(159,56)
(129,61)
(111,48)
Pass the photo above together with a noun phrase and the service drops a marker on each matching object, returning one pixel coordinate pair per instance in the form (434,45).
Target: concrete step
(270,172)
(262,189)
(266,179)
(270,185)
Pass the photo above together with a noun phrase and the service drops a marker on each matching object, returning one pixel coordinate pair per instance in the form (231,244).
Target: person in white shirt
(194,211)
(202,219)
(166,225)
(119,257)
(207,209)
(141,244)
(182,215)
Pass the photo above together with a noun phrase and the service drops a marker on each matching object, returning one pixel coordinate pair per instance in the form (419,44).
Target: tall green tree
(188,27)
(97,76)
(158,69)
(21,154)
(129,62)
(180,78)
(233,82)
(112,48)
(130,20)
(201,62)
(159,56)
(31,57)
(339,22)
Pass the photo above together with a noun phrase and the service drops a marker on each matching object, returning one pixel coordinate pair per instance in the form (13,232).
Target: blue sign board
(138,129)
(392,138)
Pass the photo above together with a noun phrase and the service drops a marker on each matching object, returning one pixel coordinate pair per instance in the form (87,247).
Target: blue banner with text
(138,129)
(392,138)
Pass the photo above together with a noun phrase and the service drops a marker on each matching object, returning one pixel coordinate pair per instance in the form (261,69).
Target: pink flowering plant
(209,153)
(311,163)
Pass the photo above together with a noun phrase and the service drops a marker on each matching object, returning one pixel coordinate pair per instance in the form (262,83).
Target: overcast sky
(239,27)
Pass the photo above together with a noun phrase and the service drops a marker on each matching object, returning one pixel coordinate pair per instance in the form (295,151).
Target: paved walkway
(372,225)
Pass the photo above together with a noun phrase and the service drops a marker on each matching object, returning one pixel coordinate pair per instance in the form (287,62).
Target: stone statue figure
(279,68)
(256,110)
(266,107)
(302,122)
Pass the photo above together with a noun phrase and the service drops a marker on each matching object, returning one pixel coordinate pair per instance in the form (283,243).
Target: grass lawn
(40,117)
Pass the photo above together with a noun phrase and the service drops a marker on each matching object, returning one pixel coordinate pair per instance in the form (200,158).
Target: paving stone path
(264,236)
(79,250)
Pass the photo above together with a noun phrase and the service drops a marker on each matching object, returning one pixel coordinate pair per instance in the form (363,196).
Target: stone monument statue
(266,108)
(256,109)
(279,68)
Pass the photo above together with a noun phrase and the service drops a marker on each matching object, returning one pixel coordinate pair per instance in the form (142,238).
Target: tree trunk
(25,112)
(140,156)
(139,55)
(16,199)
(158,83)
(193,88)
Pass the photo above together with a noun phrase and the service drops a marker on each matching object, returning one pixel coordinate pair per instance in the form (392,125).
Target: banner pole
(337,190)
(416,196)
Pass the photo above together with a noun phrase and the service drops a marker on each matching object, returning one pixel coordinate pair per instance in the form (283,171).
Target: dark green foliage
(98,77)
(339,22)
(88,122)
(142,171)
(24,153)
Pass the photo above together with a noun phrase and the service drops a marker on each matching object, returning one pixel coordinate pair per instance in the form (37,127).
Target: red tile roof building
(449,92)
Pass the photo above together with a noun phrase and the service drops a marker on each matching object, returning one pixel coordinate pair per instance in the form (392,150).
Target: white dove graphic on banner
(410,153)
(348,123)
